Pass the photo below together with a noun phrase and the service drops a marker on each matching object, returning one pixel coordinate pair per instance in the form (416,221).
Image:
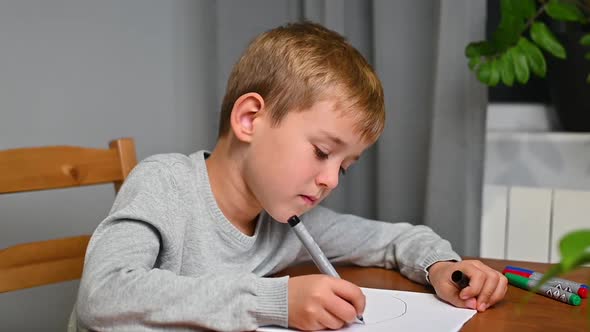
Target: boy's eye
(323,156)
(319,153)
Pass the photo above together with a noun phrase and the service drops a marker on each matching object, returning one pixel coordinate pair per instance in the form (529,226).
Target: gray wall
(84,72)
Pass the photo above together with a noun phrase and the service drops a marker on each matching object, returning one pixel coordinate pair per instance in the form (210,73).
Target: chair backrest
(40,168)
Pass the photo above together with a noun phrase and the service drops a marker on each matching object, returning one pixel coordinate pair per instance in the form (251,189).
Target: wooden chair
(40,168)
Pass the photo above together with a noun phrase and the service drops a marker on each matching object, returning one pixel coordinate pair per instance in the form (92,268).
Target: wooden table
(512,314)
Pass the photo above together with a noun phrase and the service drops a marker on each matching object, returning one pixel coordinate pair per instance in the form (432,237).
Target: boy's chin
(280,221)
(283,217)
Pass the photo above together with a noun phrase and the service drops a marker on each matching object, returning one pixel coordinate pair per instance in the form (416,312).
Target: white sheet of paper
(391,310)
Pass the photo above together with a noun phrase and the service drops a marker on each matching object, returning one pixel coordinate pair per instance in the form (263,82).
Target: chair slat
(40,168)
(41,274)
(35,252)
(30,169)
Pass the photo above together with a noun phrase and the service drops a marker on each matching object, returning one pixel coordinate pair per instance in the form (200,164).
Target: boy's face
(292,167)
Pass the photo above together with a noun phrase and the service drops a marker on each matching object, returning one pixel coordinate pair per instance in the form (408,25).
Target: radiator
(526,223)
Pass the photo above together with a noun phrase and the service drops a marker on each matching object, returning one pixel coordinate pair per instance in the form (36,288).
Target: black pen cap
(460,279)
(293,221)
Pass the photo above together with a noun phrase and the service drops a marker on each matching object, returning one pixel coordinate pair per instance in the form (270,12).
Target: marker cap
(460,279)
(575,299)
(293,221)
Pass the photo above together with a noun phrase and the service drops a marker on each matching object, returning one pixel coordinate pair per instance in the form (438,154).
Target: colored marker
(552,292)
(460,279)
(568,285)
(537,275)
(317,255)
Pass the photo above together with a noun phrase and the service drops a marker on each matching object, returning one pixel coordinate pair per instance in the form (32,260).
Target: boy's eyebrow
(338,141)
(333,138)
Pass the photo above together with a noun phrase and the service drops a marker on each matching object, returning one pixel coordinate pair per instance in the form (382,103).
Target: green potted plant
(515,50)
(545,38)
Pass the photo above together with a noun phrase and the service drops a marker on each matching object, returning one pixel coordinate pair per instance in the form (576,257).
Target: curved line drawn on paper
(390,307)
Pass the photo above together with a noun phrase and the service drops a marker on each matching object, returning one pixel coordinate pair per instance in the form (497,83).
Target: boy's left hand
(486,285)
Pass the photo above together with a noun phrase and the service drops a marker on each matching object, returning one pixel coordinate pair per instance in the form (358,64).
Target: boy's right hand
(319,302)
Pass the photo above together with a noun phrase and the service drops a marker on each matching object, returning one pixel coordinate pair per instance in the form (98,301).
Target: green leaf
(585,40)
(513,17)
(534,56)
(484,72)
(575,249)
(506,69)
(494,73)
(508,32)
(545,38)
(587,56)
(588,79)
(474,62)
(522,9)
(564,11)
(481,48)
(521,68)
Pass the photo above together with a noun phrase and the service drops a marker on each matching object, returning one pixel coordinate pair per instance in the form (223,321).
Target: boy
(192,241)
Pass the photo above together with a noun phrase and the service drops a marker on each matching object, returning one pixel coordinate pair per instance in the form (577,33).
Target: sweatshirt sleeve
(124,286)
(411,249)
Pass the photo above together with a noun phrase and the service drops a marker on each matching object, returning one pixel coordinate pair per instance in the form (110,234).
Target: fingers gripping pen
(317,255)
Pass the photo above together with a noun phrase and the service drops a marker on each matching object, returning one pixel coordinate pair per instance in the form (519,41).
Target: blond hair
(296,65)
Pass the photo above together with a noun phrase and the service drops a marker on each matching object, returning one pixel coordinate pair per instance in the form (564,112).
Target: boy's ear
(246,109)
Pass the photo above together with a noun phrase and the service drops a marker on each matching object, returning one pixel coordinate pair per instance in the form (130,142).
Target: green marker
(552,292)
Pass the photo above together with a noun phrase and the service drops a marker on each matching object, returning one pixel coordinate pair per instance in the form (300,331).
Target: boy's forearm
(418,249)
(409,248)
(129,294)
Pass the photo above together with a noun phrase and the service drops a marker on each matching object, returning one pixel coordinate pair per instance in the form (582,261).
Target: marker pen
(552,292)
(570,286)
(318,257)
(460,279)
(537,275)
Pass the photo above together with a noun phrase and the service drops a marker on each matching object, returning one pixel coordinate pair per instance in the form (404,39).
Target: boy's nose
(329,177)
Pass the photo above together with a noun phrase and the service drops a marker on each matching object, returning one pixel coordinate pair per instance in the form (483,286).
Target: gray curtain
(84,72)
(427,167)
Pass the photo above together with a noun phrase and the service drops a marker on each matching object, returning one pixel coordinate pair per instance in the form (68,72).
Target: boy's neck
(231,193)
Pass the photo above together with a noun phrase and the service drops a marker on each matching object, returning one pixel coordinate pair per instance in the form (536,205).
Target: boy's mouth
(311,200)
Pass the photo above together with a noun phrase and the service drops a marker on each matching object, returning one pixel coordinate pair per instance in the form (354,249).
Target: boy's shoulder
(166,174)
(169,159)
(174,165)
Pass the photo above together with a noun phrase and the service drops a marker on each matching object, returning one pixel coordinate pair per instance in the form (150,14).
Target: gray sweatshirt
(167,258)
